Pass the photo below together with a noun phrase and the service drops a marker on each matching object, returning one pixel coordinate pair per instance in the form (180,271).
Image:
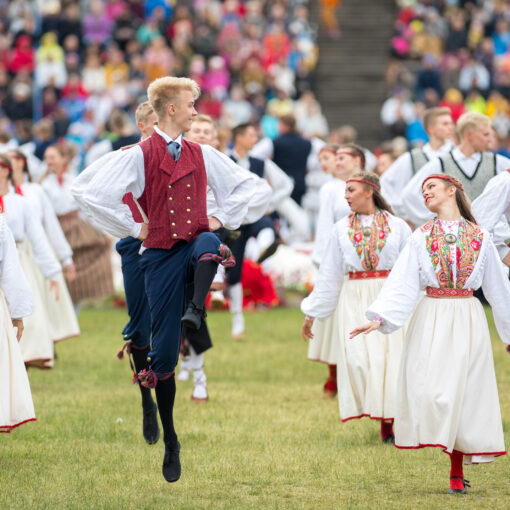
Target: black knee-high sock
(165,395)
(140,361)
(204,276)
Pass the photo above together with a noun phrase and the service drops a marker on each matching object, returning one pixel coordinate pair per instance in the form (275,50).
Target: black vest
(256,165)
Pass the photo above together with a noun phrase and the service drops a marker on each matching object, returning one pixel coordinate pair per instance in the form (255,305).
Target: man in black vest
(244,137)
(290,153)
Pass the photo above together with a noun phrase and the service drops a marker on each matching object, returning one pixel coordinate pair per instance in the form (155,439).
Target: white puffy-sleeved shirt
(100,187)
(60,194)
(332,208)
(413,272)
(493,206)
(24,223)
(13,283)
(341,258)
(41,205)
(412,199)
(394,180)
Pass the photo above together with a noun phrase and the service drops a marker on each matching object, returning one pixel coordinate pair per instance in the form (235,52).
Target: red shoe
(458,485)
(330,389)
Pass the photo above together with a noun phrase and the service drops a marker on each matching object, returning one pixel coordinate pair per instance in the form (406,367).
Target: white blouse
(100,187)
(60,194)
(413,272)
(332,208)
(492,207)
(13,283)
(341,258)
(40,203)
(24,223)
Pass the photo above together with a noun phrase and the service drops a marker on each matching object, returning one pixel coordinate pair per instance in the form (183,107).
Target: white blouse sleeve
(233,189)
(496,288)
(324,224)
(491,206)
(400,293)
(18,296)
(99,190)
(323,300)
(43,255)
(54,231)
(394,180)
(281,184)
(413,205)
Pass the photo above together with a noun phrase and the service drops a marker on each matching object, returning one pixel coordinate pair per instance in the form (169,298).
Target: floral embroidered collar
(369,241)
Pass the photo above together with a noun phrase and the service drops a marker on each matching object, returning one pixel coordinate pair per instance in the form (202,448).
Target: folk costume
(16,302)
(360,253)
(325,345)
(91,248)
(171,177)
(447,393)
(394,180)
(473,172)
(60,311)
(37,261)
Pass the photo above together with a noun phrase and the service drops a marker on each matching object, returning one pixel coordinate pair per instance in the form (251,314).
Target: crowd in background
(453,53)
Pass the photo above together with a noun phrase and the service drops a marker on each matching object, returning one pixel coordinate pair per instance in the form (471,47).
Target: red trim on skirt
(445,448)
(366,416)
(364,275)
(435,292)
(11,427)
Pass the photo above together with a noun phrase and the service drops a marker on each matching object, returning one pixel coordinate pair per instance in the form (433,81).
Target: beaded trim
(364,275)
(435,292)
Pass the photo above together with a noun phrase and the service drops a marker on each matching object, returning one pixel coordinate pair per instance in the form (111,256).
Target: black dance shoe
(389,439)
(269,251)
(171,463)
(150,424)
(193,316)
(459,491)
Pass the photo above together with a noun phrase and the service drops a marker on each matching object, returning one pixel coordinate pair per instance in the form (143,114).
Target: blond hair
(430,116)
(166,90)
(473,121)
(202,117)
(143,112)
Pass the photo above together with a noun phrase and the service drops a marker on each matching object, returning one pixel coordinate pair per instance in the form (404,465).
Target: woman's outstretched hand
(306,331)
(365,329)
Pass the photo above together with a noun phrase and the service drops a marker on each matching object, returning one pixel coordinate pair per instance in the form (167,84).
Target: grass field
(265,440)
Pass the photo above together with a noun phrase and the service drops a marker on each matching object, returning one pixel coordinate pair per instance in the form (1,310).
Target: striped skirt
(91,256)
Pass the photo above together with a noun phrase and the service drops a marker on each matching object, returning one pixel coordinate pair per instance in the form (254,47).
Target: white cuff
(135,231)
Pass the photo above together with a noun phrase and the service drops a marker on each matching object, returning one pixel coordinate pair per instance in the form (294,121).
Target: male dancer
(170,175)
(439,126)
(470,163)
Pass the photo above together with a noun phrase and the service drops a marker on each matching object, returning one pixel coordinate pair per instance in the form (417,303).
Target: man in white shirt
(439,126)
(470,163)
(169,176)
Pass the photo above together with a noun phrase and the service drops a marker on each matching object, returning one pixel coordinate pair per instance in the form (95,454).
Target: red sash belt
(364,275)
(434,292)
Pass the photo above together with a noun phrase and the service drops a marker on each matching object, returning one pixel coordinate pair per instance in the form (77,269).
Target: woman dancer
(16,302)
(35,256)
(363,246)
(341,162)
(447,393)
(61,313)
(91,249)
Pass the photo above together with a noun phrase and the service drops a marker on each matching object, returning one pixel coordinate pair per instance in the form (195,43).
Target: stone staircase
(350,72)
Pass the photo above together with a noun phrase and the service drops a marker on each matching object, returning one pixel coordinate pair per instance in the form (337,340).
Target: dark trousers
(234,274)
(166,274)
(138,329)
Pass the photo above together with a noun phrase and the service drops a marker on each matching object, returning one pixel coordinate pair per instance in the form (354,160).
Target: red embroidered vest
(174,198)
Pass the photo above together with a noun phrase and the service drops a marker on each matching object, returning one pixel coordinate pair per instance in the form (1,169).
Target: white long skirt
(16,406)
(62,316)
(324,346)
(368,365)
(37,341)
(447,389)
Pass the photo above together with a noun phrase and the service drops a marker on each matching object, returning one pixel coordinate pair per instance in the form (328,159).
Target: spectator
(236,110)
(453,100)
(474,75)
(97,26)
(428,77)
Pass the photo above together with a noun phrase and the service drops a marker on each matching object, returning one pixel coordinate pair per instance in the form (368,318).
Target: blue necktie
(174,149)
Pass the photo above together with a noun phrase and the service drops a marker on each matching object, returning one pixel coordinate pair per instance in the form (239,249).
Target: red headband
(328,149)
(364,181)
(455,182)
(5,165)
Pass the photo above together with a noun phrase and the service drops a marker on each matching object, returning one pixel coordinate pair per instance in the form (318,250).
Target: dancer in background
(16,302)
(171,175)
(447,392)
(91,249)
(344,161)
(362,250)
(60,311)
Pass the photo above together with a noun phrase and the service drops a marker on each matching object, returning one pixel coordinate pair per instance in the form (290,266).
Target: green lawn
(265,440)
